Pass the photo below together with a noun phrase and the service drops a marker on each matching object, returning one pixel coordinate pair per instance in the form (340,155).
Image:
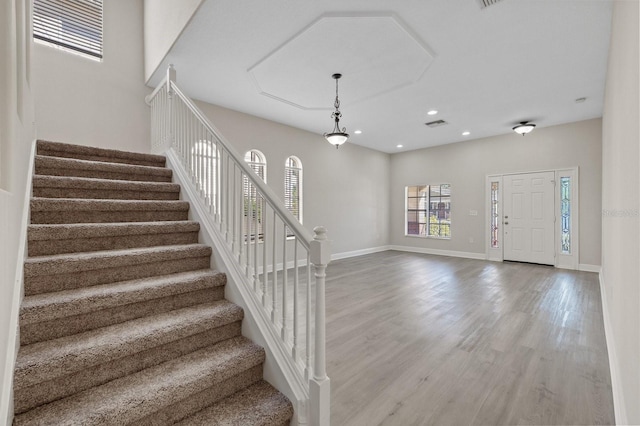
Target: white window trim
(406,209)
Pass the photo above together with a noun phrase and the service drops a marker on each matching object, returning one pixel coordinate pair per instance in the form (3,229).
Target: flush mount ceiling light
(432,112)
(337,137)
(524,127)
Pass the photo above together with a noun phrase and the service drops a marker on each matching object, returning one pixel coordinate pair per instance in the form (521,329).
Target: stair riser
(104,194)
(53,217)
(203,399)
(79,244)
(35,395)
(37,332)
(49,283)
(100,174)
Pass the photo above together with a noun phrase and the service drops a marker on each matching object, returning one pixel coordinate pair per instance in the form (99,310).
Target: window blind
(72,24)
(292,177)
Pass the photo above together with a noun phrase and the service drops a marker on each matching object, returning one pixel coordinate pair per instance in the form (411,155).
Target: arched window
(255,159)
(252,202)
(293,186)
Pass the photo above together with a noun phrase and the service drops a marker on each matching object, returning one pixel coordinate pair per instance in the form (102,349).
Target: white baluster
(265,242)
(285,302)
(294,350)
(307,364)
(274,273)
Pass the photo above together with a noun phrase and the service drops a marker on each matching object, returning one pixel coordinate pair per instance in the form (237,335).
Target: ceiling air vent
(487,3)
(436,123)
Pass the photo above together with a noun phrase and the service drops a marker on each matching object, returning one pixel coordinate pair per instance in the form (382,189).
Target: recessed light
(466,133)
(399,146)
(580,100)
(357,132)
(432,112)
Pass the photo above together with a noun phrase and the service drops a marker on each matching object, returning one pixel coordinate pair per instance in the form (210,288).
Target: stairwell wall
(87,102)
(16,137)
(164,21)
(620,278)
(346,190)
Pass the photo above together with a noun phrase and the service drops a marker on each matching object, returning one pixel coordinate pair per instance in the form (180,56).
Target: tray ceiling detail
(376,54)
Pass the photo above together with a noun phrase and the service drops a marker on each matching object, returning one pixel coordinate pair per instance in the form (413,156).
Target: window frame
(425,206)
(288,169)
(75,26)
(260,169)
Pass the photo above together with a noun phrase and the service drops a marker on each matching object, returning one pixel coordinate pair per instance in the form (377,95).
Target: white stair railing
(269,245)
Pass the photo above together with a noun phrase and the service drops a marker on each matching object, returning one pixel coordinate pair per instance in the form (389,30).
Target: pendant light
(524,127)
(337,136)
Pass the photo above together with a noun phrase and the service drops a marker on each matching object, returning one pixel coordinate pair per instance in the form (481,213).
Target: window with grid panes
(428,211)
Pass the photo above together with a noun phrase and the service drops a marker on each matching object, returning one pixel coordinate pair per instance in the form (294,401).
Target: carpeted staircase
(123,321)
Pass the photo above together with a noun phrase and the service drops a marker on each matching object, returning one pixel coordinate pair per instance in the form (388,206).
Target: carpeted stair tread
(57,166)
(57,149)
(78,262)
(77,204)
(80,237)
(133,397)
(54,210)
(45,274)
(47,360)
(259,404)
(66,303)
(81,187)
(95,230)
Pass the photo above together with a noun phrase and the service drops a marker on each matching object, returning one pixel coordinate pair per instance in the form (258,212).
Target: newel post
(171,79)
(319,386)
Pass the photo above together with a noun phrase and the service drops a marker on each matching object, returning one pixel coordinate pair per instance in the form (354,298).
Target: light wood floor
(428,340)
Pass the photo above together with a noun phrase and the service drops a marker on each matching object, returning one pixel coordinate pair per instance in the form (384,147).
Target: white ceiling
(484,70)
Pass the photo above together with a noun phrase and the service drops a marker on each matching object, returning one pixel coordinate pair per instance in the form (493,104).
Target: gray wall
(86,102)
(346,190)
(621,201)
(466,164)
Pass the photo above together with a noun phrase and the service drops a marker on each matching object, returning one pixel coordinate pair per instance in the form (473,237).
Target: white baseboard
(451,253)
(618,398)
(354,253)
(589,268)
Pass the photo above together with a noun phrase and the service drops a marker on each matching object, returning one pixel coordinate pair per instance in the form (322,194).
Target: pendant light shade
(337,136)
(524,127)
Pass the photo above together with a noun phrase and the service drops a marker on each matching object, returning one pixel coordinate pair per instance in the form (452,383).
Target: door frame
(566,260)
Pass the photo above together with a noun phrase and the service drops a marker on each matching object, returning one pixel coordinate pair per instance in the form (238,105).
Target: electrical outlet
(473,212)
(470,240)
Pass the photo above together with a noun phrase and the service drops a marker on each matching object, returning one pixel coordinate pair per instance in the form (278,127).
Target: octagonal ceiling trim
(298,72)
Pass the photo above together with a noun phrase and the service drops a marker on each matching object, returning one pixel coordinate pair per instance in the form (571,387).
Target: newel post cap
(320,247)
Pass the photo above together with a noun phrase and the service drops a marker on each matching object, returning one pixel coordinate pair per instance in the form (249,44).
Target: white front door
(529,218)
